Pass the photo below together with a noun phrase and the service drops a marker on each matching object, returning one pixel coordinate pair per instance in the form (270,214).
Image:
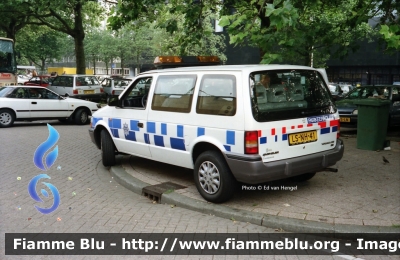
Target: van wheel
(304,177)
(107,149)
(213,178)
(6,118)
(81,117)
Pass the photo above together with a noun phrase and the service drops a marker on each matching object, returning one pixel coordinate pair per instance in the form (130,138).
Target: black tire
(225,183)
(107,149)
(81,117)
(64,120)
(7,118)
(304,177)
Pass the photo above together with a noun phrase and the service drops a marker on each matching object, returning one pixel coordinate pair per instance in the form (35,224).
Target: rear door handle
(34,103)
(140,125)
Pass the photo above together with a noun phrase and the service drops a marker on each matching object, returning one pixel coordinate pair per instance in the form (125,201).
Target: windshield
(288,94)
(4,91)
(368,92)
(7,57)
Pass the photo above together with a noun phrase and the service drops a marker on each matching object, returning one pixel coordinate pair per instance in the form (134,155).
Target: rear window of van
(288,94)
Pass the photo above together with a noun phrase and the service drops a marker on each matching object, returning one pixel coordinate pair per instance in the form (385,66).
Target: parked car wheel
(213,178)
(6,118)
(304,177)
(81,117)
(107,149)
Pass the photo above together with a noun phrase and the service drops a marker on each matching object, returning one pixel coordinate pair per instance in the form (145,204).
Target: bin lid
(374,102)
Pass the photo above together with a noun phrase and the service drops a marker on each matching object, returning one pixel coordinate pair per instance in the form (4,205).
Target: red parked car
(43,81)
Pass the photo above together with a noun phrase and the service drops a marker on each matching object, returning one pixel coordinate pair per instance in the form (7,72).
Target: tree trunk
(43,65)
(79,36)
(122,66)
(94,64)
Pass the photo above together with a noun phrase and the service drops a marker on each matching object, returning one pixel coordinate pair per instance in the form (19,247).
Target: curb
(287,224)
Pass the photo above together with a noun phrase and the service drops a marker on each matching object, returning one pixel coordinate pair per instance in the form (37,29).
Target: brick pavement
(91,201)
(364,192)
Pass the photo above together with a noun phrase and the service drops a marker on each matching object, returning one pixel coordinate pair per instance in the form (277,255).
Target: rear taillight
(75,92)
(251,142)
(102,90)
(336,124)
(113,92)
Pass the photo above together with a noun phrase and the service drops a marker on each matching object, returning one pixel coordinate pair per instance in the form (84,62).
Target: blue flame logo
(51,157)
(38,159)
(35,196)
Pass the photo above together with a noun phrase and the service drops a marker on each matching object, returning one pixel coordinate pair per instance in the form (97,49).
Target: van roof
(244,68)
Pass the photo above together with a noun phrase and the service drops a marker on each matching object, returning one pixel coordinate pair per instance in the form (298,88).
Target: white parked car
(78,86)
(115,86)
(29,103)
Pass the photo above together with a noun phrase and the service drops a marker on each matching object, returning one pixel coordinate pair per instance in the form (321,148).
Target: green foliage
(39,45)
(391,34)
(176,42)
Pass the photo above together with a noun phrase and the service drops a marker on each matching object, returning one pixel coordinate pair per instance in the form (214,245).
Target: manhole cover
(154,192)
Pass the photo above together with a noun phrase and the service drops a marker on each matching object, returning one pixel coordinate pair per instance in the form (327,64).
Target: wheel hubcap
(209,177)
(84,117)
(5,118)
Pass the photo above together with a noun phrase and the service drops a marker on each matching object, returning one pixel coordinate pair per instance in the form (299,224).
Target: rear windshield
(289,94)
(368,92)
(86,81)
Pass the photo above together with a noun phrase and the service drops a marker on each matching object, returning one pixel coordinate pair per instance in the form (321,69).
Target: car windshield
(368,92)
(4,91)
(287,94)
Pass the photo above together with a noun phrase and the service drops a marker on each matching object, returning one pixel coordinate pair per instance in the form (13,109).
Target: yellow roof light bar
(208,59)
(163,62)
(167,59)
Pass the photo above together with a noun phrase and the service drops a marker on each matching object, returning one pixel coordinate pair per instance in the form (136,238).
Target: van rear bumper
(252,170)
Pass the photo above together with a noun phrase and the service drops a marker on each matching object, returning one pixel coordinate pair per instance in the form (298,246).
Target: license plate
(301,138)
(345,119)
(88,91)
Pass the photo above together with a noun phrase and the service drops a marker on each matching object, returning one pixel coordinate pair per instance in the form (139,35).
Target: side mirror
(114,101)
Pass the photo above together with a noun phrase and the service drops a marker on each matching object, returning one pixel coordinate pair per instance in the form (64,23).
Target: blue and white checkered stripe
(229,137)
(163,134)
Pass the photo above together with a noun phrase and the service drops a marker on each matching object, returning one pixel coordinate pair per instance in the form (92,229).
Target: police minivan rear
(291,129)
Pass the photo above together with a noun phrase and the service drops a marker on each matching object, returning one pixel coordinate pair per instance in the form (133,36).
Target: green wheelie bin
(373,117)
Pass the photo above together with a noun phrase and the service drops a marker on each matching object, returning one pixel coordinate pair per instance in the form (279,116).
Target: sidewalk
(363,196)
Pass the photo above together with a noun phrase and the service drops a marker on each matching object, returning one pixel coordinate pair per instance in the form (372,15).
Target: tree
(389,20)
(40,45)
(131,42)
(174,42)
(187,22)
(69,17)
(14,15)
(275,26)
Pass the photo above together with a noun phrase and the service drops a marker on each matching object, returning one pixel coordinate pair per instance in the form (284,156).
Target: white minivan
(230,123)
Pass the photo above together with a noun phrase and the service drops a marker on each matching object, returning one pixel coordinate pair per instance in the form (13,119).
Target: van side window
(174,93)
(217,95)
